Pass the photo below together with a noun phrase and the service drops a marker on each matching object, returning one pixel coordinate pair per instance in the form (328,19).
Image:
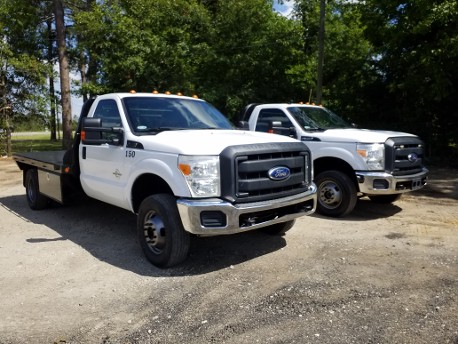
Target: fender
(164,166)
(338,150)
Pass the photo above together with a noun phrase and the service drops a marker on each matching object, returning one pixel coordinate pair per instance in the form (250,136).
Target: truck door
(102,166)
(275,121)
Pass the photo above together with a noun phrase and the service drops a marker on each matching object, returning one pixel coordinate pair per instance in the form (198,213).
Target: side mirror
(276,128)
(243,125)
(91,133)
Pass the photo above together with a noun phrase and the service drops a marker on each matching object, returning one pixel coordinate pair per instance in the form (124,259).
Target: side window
(267,116)
(107,111)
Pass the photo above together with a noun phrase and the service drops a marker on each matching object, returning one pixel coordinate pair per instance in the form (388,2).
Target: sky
(284,9)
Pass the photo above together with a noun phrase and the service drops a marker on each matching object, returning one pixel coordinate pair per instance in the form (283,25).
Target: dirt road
(385,274)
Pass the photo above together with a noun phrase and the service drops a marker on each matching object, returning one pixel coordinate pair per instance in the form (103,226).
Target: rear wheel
(35,199)
(161,234)
(336,194)
(279,228)
(385,199)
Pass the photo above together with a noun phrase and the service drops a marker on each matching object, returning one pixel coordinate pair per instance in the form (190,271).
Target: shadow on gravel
(108,233)
(366,210)
(442,183)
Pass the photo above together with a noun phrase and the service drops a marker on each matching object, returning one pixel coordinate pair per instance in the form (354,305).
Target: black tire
(385,199)
(336,194)
(35,199)
(279,228)
(161,234)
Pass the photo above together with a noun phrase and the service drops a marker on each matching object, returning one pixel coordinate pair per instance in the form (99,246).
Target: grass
(34,143)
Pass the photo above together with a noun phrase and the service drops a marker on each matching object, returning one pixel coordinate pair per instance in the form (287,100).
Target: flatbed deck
(49,160)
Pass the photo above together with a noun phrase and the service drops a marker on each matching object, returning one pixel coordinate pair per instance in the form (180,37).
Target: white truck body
(181,166)
(348,162)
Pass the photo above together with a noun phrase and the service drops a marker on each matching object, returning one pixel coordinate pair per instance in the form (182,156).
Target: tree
(22,72)
(253,50)
(416,57)
(143,45)
(64,73)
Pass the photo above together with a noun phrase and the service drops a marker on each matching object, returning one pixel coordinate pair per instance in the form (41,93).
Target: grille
(247,166)
(404,155)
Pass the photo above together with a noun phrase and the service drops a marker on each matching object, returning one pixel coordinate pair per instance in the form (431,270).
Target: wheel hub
(330,194)
(154,231)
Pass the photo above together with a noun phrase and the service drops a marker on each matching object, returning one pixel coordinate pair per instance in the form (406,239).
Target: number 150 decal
(130,154)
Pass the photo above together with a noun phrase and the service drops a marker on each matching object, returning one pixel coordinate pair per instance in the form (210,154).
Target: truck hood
(356,135)
(205,142)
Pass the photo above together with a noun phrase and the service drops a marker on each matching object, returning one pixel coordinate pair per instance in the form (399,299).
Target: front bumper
(215,216)
(380,183)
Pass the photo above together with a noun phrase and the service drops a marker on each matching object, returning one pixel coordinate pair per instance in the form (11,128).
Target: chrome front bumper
(209,217)
(380,183)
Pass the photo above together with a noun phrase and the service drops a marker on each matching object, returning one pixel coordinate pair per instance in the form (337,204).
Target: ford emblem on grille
(412,157)
(279,173)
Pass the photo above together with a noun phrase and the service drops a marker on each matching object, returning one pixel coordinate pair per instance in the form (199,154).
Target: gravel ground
(385,274)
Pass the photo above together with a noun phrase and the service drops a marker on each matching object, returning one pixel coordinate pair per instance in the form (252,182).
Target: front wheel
(35,199)
(162,237)
(279,228)
(385,199)
(336,194)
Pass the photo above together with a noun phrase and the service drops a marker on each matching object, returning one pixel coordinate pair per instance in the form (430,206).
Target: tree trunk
(82,68)
(52,95)
(64,72)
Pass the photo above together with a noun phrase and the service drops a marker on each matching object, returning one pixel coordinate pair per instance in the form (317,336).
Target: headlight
(373,155)
(202,174)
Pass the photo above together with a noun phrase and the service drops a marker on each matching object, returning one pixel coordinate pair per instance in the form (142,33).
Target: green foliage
(22,73)
(29,123)
(387,64)
(253,51)
(416,45)
(144,45)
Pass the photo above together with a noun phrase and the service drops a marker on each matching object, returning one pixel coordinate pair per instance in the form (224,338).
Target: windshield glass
(314,118)
(155,114)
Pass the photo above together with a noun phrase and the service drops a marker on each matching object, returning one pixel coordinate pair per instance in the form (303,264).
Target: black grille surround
(244,171)
(404,155)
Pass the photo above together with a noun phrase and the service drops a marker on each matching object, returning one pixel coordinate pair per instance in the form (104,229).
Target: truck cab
(348,162)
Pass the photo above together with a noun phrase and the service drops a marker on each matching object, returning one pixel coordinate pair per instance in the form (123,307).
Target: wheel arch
(332,163)
(146,185)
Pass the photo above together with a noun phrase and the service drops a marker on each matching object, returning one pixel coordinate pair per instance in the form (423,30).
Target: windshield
(155,114)
(314,118)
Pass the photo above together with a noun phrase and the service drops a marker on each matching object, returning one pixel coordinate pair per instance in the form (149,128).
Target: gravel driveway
(385,274)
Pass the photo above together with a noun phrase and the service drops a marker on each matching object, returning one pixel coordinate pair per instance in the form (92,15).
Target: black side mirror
(243,125)
(91,133)
(277,128)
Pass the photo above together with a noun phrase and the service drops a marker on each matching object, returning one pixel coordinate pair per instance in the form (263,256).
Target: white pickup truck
(348,162)
(180,165)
